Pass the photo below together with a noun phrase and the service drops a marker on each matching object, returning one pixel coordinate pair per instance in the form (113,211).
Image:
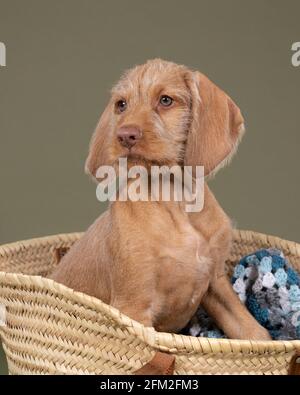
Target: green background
(62,58)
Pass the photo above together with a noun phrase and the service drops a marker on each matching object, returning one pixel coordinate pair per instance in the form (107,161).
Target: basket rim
(167,342)
(247,235)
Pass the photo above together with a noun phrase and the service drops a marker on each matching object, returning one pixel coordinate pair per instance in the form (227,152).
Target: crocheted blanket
(269,287)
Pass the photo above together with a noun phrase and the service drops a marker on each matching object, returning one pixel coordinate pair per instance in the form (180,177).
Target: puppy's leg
(135,312)
(225,307)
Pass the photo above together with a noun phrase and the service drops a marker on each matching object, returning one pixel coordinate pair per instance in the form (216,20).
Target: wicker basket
(50,329)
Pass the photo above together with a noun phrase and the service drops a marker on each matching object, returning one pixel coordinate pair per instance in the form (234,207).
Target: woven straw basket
(48,328)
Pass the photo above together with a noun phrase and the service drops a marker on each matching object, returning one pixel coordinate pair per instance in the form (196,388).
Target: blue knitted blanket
(269,287)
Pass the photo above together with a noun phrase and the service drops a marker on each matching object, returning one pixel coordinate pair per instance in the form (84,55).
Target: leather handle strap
(164,364)
(161,364)
(60,252)
(294,368)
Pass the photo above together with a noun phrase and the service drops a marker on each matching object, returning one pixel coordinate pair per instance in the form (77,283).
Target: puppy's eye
(121,105)
(166,101)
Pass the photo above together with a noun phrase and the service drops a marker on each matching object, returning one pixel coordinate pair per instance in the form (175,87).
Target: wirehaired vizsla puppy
(154,261)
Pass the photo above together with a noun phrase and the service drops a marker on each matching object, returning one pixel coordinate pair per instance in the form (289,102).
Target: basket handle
(294,369)
(60,252)
(164,364)
(161,364)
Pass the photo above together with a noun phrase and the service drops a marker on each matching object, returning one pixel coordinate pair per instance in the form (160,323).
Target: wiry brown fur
(152,260)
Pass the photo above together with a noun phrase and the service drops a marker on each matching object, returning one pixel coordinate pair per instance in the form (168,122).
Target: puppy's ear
(98,151)
(216,126)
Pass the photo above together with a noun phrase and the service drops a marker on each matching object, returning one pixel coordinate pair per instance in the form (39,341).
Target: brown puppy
(152,260)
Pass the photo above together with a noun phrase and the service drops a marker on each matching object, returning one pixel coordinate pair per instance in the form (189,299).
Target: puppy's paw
(257,333)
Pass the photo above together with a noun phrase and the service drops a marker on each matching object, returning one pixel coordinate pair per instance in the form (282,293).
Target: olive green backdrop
(62,58)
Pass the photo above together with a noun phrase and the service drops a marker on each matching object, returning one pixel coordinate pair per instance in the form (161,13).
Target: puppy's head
(163,113)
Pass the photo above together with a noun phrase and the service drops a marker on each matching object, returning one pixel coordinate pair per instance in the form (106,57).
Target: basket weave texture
(51,329)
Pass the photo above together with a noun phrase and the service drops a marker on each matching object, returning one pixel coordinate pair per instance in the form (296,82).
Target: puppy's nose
(129,135)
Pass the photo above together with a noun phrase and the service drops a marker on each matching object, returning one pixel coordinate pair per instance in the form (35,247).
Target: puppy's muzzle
(129,135)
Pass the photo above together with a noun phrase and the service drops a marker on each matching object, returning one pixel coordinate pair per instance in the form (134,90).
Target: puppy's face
(163,113)
(150,113)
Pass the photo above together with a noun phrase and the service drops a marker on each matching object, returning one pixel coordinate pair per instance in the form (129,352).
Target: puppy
(152,260)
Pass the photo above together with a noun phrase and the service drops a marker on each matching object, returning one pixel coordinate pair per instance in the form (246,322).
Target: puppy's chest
(182,258)
(163,235)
